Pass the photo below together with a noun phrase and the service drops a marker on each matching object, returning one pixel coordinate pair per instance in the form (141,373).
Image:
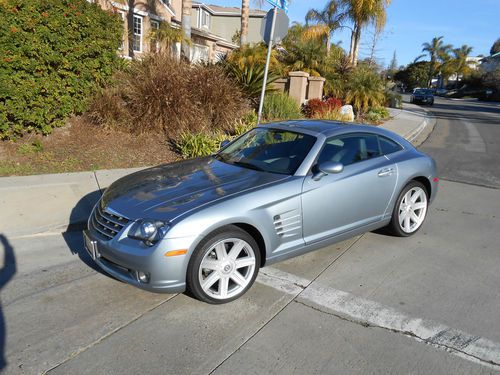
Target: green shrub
(191,145)
(53,54)
(376,115)
(161,93)
(364,89)
(393,99)
(250,78)
(247,122)
(279,106)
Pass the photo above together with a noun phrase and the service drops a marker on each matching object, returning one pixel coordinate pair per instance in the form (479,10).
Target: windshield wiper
(247,165)
(221,157)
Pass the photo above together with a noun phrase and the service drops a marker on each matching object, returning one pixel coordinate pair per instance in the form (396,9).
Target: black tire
(204,248)
(394,227)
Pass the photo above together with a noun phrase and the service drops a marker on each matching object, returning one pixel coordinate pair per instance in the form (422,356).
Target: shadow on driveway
(78,222)
(6,274)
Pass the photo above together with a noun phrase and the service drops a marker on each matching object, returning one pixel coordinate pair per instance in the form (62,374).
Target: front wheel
(410,210)
(223,266)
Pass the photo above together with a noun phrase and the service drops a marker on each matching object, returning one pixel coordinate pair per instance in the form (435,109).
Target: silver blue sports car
(207,225)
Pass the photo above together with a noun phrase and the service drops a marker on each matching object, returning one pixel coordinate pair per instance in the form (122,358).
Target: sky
(411,23)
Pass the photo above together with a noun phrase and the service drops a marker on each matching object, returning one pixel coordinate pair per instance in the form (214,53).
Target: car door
(357,196)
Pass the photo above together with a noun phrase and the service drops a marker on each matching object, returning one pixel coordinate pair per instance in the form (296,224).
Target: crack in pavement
(279,280)
(439,340)
(104,337)
(368,313)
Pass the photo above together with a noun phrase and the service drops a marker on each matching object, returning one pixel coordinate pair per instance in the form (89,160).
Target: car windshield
(423,92)
(268,150)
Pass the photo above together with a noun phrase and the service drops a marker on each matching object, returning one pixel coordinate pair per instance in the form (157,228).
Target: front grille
(107,224)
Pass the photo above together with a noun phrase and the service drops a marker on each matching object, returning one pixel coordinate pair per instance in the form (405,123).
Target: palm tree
(364,90)
(460,61)
(299,52)
(186,29)
(245,15)
(326,21)
(361,13)
(436,50)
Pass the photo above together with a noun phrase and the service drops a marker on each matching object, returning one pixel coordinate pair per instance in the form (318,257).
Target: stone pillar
(298,86)
(280,84)
(315,87)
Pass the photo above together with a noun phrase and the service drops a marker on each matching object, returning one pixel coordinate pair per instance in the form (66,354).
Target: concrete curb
(55,203)
(31,205)
(422,132)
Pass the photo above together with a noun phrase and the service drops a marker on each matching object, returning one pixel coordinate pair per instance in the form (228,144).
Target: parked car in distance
(423,96)
(280,190)
(441,92)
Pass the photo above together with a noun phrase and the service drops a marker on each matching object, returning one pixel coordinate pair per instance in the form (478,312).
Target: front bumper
(125,262)
(423,100)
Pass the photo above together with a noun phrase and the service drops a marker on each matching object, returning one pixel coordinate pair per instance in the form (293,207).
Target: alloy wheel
(412,209)
(227,268)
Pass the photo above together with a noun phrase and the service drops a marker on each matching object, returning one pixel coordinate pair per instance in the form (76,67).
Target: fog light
(143,277)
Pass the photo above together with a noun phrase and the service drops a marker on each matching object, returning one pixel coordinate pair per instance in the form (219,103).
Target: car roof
(328,128)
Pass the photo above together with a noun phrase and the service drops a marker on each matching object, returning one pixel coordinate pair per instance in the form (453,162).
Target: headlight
(148,231)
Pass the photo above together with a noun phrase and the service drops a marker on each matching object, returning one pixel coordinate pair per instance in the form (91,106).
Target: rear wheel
(223,266)
(410,210)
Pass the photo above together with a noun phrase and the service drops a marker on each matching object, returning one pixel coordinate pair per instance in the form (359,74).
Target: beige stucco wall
(176,6)
(226,27)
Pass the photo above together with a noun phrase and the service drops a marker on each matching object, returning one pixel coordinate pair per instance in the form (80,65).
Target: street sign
(280,28)
(281,4)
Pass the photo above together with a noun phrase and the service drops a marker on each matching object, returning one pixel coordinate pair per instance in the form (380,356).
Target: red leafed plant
(316,107)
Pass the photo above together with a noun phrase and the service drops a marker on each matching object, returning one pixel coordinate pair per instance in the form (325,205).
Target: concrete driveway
(425,304)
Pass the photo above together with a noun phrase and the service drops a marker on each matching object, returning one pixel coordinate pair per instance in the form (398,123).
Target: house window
(204,19)
(123,17)
(155,44)
(137,34)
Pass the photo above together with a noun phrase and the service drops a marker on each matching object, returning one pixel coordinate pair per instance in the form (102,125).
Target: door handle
(386,172)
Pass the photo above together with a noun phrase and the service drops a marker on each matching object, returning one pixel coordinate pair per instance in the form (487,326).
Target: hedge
(53,55)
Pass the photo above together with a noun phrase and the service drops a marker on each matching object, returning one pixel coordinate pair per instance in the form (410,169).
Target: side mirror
(328,167)
(224,143)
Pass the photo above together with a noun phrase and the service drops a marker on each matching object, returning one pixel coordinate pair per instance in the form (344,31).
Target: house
(473,62)
(490,63)
(146,16)
(214,29)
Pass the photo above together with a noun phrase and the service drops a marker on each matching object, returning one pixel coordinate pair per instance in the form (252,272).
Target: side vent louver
(288,224)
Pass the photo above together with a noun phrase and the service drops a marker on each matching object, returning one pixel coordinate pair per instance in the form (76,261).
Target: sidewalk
(54,202)
(412,122)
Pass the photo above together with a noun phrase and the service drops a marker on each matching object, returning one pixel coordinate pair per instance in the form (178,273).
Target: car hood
(168,191)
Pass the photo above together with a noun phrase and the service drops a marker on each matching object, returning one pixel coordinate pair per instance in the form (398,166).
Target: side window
(137,34)
(388,146)
(350,149)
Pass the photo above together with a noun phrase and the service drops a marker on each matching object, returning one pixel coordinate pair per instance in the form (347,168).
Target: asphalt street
(428,304)
(466,142)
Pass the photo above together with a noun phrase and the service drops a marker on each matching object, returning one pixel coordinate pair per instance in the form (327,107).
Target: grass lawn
(80,146)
